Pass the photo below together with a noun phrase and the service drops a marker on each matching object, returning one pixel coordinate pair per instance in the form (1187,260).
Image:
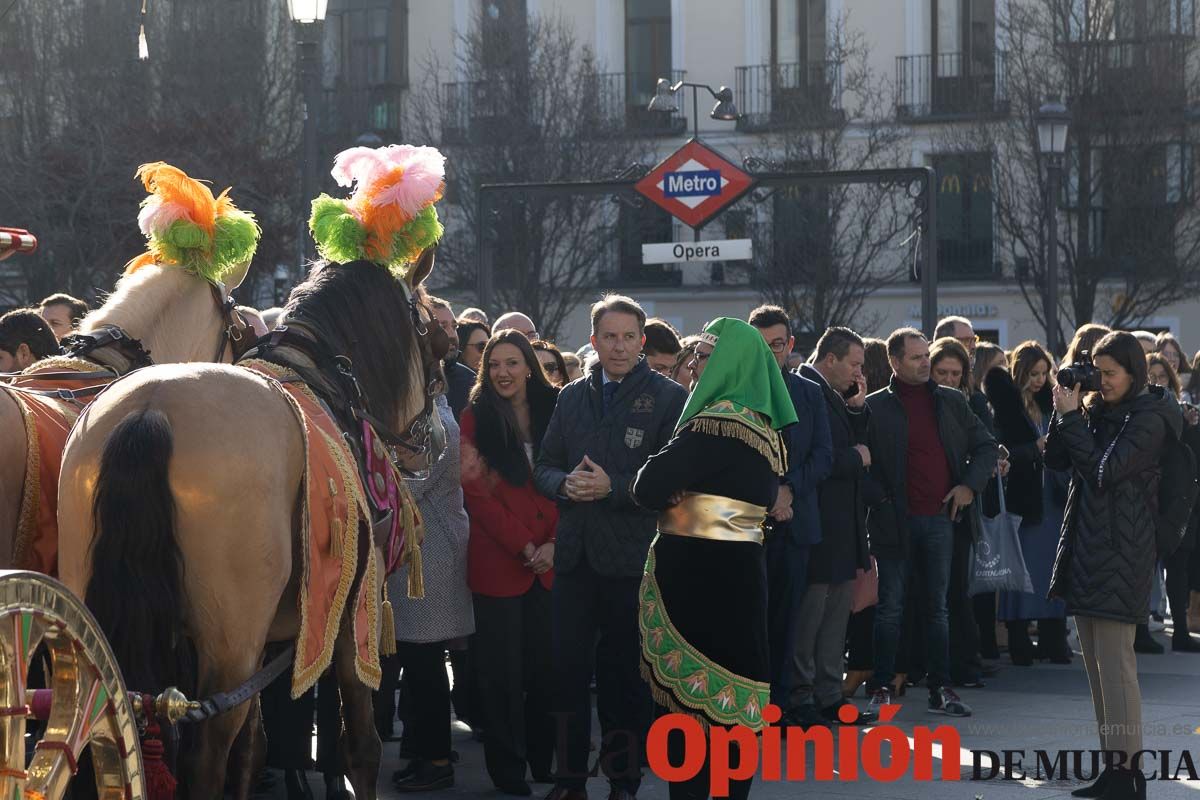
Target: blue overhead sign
(694,183)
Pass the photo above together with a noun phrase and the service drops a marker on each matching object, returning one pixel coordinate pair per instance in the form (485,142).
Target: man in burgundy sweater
(932,457)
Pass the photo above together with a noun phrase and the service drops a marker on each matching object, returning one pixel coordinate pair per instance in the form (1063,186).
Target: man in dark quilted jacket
(1113,442)
(604,428)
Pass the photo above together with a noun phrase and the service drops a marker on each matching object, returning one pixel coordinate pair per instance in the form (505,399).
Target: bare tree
(820,251)
(216,97)
(528,104)
(1128,235)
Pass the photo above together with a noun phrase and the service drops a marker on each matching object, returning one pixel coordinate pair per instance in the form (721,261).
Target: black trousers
(985,620)
(965,663)
(787,580)
(698,787)
(860,645)
(1178,579)
(595,628)
(288,723)
(427,697)
(515,674)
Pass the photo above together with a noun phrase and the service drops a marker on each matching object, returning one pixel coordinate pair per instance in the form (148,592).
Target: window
(635,227)
(801,235)
(964,215)
(367,43)
(799,31)
(964,36)
(647,49)
(1092,20)
(502,34)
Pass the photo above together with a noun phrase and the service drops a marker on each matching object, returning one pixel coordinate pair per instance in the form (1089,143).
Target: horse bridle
(232,335)
(337,371)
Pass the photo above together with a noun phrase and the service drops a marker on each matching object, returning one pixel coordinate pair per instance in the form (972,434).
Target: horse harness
(130,352)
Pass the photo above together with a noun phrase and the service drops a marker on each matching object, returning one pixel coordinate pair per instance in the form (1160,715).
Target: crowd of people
(877,464)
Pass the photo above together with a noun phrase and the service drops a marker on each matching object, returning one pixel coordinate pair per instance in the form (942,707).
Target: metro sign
(694,184)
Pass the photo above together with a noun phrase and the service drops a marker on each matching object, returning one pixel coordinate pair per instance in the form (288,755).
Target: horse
(161,312)
(181,505)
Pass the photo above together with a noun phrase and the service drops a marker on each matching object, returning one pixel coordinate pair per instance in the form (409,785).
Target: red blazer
(504,518)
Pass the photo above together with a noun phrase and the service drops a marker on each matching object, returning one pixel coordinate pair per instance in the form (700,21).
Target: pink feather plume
(424,171)
(157,215)
(359,166)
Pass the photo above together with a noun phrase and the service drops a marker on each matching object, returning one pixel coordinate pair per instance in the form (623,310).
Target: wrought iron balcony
(949,85)
(351,112)
(475,109)
(1130,76)
(617,101)
(789,95)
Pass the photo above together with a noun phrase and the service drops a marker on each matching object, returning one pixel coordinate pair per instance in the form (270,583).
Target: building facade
(943,69)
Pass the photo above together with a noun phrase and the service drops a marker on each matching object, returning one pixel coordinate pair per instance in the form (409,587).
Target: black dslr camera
(1082,373)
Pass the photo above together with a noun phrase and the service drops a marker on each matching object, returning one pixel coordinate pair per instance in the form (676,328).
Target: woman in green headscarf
(703,610)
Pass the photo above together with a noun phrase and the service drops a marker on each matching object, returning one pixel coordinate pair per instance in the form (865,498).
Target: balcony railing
(950,85)
(1131,76)
(351,112)
(786,95)
(610,102)
(475,109)
(618,101)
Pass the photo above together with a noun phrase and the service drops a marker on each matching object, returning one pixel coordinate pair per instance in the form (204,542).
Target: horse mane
(146,305)
(362,312)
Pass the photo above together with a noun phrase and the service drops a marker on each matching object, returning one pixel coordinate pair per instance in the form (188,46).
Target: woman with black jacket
(1021,402)
(1104,569)
(1179,563)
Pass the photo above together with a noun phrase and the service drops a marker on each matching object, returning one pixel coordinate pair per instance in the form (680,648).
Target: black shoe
(427,777)
(830,713)
(409,769)
(1184,644)
(943,700)
(1144,642)
(971,683)
(805,716)
(1094,789)
(1020,649)
(1125,784)
(518,788)
(296,781)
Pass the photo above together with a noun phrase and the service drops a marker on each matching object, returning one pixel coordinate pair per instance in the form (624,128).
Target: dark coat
(970,453)
(613,534)
(1106,553)
(1019,433)
(843,547)
(459,380)
(810,455)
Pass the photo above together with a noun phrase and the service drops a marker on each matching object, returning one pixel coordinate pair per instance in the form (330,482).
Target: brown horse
(174,315)
(180,500)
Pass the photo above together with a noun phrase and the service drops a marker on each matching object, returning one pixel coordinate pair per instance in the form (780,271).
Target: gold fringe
(387,637)
(667,700)
(416,571)
(768,449)
(31,490)
(335,538)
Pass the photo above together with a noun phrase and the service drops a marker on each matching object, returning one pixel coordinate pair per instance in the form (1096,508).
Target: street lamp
(307,15)
(664,100)
(1053,121)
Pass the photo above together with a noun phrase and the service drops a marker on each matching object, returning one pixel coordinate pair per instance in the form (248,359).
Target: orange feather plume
(174,185)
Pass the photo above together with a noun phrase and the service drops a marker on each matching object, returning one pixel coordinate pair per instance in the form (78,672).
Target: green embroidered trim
(683,676)
(726,418)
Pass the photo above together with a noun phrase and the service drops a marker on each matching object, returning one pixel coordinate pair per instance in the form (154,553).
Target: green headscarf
(742,392)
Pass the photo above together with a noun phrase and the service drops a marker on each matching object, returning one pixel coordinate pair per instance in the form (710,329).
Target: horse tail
(136,585)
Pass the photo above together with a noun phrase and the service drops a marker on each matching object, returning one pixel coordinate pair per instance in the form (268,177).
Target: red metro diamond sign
(694,184)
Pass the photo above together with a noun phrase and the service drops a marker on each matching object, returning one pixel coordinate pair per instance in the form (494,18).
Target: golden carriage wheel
(89,706)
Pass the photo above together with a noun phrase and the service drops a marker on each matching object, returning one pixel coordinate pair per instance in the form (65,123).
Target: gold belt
(710,516)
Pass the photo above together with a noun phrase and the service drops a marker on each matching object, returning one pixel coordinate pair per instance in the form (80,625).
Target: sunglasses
(550,368)
(478,346)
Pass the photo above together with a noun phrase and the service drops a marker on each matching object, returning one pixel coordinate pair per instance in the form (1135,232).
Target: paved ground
(1043,707)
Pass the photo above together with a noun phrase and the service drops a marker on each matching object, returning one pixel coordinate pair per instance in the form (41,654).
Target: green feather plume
(235,238)
(340,237)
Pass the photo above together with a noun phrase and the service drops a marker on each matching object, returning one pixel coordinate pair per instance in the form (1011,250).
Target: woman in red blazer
(510,559)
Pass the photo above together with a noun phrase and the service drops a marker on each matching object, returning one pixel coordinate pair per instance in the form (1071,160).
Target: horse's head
(386,347)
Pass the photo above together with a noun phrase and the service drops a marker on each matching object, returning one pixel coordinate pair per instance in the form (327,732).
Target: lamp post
(1053,120)
(664,101)
(308,16)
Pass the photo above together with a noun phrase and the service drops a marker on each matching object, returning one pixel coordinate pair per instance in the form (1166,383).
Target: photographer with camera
(1113,442)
